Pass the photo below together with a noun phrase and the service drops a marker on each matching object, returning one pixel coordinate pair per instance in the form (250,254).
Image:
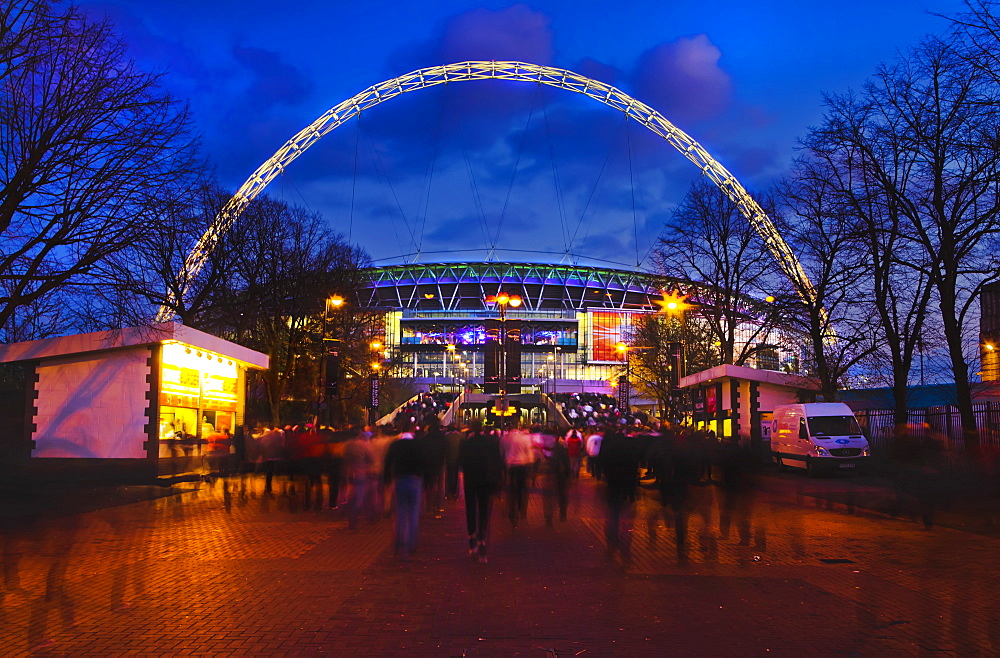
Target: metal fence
(943,423)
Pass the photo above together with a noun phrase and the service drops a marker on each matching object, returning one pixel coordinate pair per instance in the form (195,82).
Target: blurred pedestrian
(382,438)
(620,464)
(519,456)
(735,463)
(593,447)
(272,453)
(405,465)
(454,439)
(358,460)
(554,470)
(482,466)
(574,446)
(435,446)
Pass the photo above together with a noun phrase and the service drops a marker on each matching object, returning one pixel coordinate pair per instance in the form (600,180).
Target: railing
(942,422)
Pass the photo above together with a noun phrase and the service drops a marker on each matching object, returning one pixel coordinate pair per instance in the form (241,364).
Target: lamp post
(373,383)
(674,305)
(449,356)
(502,300)
(624,394)
(329,372)
(555,364)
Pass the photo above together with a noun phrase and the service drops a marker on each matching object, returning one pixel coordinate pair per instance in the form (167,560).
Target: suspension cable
(354,182)
(555,179)
(380,168)
(477,199)
(593,193)
(513,175)
(631,182)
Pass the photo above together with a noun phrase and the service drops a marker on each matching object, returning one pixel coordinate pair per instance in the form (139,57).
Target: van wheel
(811,468)
(781,465)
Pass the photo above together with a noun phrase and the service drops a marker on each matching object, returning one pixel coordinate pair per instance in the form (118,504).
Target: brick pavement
(200,572)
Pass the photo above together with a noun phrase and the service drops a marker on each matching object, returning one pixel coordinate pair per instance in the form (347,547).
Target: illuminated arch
(516,71)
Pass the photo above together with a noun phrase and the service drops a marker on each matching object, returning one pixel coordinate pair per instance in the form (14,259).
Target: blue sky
(438,171)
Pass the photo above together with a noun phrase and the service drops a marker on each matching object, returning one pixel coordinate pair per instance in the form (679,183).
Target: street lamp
(554,358)
(329,370)
(675,306)
(449,355)
(624,384)
(373,383)
(502,299)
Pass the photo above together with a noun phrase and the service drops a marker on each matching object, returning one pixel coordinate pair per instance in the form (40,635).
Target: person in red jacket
(574,445)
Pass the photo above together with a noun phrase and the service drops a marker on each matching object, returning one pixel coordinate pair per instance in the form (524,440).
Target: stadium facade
(572,318)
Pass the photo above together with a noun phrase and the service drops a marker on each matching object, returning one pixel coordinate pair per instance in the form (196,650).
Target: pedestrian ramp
(479,403)
(390,418)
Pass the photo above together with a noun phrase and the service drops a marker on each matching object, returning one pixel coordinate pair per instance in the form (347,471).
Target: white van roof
(819,409)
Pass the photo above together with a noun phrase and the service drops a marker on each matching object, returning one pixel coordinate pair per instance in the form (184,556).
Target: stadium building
(437,322)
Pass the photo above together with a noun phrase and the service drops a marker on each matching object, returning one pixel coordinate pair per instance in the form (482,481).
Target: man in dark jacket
(405,465)
(482,465)
(435,446)
(619,460)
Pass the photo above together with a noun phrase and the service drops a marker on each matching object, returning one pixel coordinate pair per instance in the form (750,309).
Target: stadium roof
(464,286)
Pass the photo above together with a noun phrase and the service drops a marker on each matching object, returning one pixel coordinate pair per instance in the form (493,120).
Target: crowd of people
(412,467)
(596,410)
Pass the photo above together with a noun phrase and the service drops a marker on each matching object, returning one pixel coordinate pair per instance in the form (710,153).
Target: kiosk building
(136,402)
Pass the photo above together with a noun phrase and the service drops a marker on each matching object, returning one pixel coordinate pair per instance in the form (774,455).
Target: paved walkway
(200,572)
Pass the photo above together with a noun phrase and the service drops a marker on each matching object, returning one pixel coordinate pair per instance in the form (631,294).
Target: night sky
(448,172)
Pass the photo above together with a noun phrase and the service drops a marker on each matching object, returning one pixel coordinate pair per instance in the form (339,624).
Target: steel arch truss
(518,72)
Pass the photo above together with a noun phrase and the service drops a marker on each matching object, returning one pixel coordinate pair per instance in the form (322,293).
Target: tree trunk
(960,370)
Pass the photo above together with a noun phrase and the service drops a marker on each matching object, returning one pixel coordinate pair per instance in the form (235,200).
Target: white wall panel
(92,405)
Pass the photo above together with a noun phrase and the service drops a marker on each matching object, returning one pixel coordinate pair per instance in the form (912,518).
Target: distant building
(989,333)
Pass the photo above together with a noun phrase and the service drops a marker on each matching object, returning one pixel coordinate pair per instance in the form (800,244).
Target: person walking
(405,465)
(620,463)
(482,464)
(272,452)
(519,456)
(358,459)
(592,445)
(574,445)
(435,446)
(454,439)
(555,474)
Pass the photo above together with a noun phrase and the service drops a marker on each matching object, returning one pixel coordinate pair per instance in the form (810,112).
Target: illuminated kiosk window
(198,398)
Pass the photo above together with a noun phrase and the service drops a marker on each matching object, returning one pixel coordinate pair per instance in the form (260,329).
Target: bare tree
(654,361)
(976,35)
(918,152)
(709,243)
(283,264)
(837,317)
(852,177)
(89,144)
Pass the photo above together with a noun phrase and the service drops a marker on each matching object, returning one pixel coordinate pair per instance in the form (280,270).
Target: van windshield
(833,425)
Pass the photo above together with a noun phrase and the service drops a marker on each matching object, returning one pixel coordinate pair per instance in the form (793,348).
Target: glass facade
(572,320)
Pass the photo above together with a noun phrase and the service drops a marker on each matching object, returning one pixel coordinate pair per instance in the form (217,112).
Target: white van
(820,436)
